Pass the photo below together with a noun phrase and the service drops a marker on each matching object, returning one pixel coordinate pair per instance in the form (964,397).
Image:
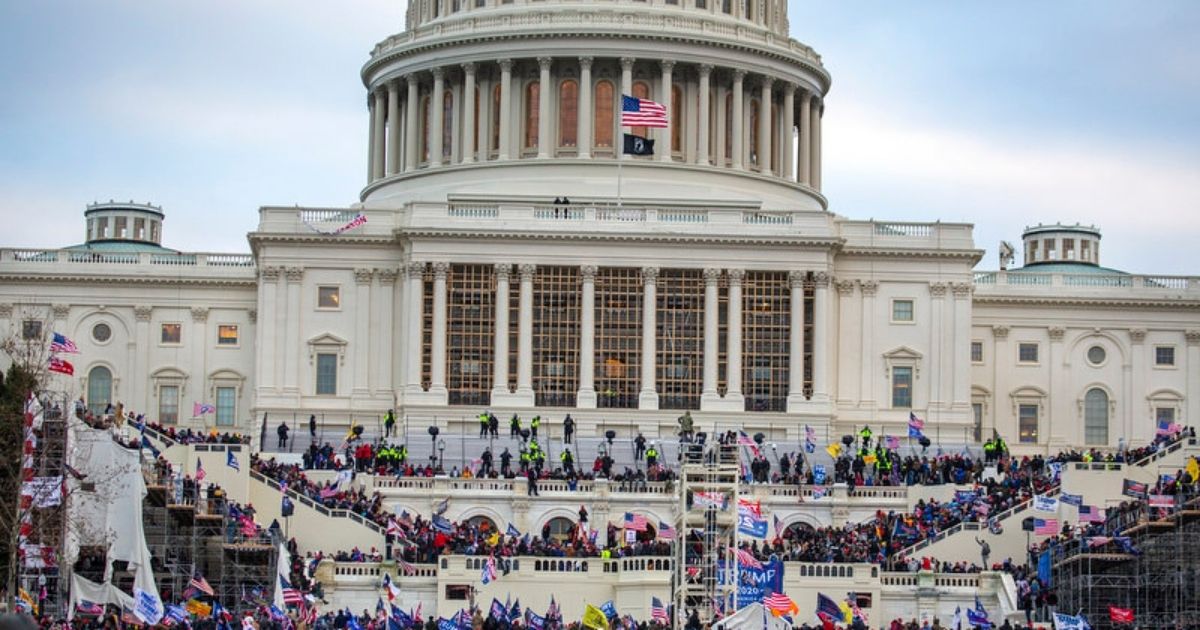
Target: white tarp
(83,589)
(752,617)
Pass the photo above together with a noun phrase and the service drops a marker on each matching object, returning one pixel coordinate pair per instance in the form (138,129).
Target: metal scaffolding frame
(707,535)
(48,524)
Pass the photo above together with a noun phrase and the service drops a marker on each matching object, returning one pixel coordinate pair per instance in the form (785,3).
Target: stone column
(796,342)
(586,398)
(1191,410)
(412,148)
(702,117)
(437,352)
(385,349)
(961,399)
(505,108)
(804,146)
(648,397)
(268,307)
(468,113)
(1055,428)
(733,353)
(937,328)
(525,335)
(436,117)
(820,381)
(664,154)
(500,358)
(416,324)
(295,275)
(785,133)
(544,89)
(738,122)
(372,115)
(720,127)
(378,140)
(393,128)
(583,134)
(712,338)
(143,388)
(362,332)
(867,290)
(816,145)
(626,90)
(764,126)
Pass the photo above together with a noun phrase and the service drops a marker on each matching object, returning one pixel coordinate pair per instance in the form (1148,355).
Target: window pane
(602,125)
(1028,353)
(556,297)
(532,98)
(680,319)
(641,89)
(977,414)
(902,387)
(99,390)
(568,113)
(618,337)
(329,297)
(226,406)
(227,335)
(1095,416)
(902,310)
(977,351)
(1164,355)
(168,404)
(1028,425)
(766,336)
(1164,414)
(172,333)
(327,374)
(447,123)
(470,327)
(31,329)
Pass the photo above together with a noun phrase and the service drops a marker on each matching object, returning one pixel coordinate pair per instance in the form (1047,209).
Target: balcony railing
(990,282)
(39,257)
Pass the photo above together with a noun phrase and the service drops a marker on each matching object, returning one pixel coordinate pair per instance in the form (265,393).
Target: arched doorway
(559,529)
(484,524)
(797,530)
(1095,416)
(99,389)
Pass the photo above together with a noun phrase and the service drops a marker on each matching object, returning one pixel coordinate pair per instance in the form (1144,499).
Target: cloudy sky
(999,114)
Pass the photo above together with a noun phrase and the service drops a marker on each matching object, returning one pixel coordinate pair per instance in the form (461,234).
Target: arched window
(568,113)
(425,131)
(495,141)
(677,128)
(641,89)
(602,120)
(753,131)
(729,122)
(559,528)
(99,389)
(1095,416)
(483,523)
(532,96)
(797,530)
(447,124)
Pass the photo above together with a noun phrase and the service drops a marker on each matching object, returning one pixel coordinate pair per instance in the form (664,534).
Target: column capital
(739,75)
(736,276)
(705,69)
(363,275)
(1000,332)
(845,288)
(796,278)
(1192,337)
(199,313)
(270,274)
(585,62)
(142,312)
(527,270)
(962,289)
(545,62)
(413,79)
(937,289)
(1056,333)
(415,270)
(821,279)
(387,275)
(505,64)
(295,274)
(627,63)
(650,275)
(503,271)
(440,270)
(767,82)
(469,67)
(868,287)
(1137,335)
(712,275)
(667,65)
(393,88)
(438,72)
(788,87)
(587,273)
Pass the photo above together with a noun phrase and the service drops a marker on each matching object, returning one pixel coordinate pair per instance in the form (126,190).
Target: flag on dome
(640,112)
(60,343)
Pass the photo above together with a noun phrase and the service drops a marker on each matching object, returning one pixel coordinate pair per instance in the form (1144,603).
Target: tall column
(738,119)
(1191,410)
(626,90)
(525,335)
(362,333)
(370,137)
(796,342)
(378,141)
(648,397)
(583,135)
(785,133)
(384,350)
(720,127)
(436,117)
(268,308)
(500,358)
(764,126)
(733,353)
(664,154)
(544,90)
(437,352)
(961,367)
(702,117)
(412,148)
(586,398)
(416,322)
(937,328)
(393,128)
(821,353)
(485,122)
(712,339)
(467,107)
(505,121)
(804,145)
(295,275)
(816,145)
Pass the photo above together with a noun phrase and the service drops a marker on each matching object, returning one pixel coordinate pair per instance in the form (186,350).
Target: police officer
(568,429)
(639,447)
(486,466)
(533,426)
(865,435)
(514,426)
(505,462)
(568,461)
(484,423)
(651,456)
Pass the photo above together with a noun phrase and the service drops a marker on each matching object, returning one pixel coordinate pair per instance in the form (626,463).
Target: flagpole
(620,159)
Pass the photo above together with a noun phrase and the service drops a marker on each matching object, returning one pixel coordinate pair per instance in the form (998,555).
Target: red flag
(1120,615)
(61,366)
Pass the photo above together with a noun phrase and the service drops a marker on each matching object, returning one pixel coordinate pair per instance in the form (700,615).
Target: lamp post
(441,445)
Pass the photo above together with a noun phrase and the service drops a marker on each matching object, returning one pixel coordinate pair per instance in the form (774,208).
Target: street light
(441,444)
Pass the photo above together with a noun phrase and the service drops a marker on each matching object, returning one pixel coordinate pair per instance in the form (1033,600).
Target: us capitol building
(505,255)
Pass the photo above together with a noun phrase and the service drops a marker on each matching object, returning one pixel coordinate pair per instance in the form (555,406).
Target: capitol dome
(545,80)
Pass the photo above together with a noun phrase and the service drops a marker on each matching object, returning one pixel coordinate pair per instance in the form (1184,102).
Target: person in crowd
(514,426)
(484,423)
(389,423)
(312,427)
(568,429)
(282,431)
(639,447)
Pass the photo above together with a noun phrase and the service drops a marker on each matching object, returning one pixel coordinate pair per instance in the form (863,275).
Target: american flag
(915,422)
(747,559)
(489,570)
(290,595)
(394,529)
(1165,427)
(553,613)
(1090,514)
(1098,541)
(666,532)
(406,567)
(59,343)
(780,604)
(658,612)
(1045,526)
(636,522)
(200,584)
(891,441)
(199,470)
(639,112)
(1162,500)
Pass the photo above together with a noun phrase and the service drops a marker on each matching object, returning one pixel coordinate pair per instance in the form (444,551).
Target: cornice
(971,254)
(1060,300)
(126,280)
(644,237)
(278,237)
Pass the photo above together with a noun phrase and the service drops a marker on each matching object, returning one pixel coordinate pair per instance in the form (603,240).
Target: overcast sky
(1000,114)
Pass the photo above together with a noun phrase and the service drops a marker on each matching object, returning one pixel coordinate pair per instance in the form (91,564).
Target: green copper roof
(1069,267)
(124,247)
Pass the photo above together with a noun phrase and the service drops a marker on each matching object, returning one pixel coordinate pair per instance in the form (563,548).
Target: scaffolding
(707,532)
(48,524)
(1158,577)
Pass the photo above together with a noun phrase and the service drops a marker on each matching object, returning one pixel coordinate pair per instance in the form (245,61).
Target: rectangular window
(172,333)
(976,352)
(1164,414)
(1028,427)
(1027,353)
(326,374)
(977,414)
(168,404)
(227,335)
(902,387)
(31,329)
(1164,356)
(329,297)
(226,406)
(902,310)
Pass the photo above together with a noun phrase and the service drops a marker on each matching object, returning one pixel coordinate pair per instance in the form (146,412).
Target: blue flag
(232,461)
(514,613)
(610,609)
(447,624)
(1071,499)
(399,620)
(352,623)
(498,610)
(533,620)
(512,531)
(441,524)
(914,432)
